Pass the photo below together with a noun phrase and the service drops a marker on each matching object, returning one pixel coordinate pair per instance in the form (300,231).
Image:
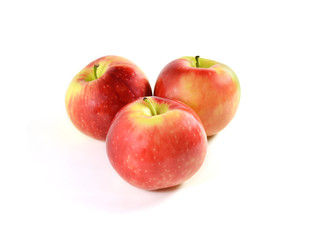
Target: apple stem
(95,70)
(151,106)
(197,61)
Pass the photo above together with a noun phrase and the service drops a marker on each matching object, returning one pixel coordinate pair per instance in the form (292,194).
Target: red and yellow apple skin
(100,90)
(156,151)
(212,89)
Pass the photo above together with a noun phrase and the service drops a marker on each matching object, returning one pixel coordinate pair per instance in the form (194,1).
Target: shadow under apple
(78,167)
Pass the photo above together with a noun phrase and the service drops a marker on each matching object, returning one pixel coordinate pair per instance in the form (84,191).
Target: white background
(57,183)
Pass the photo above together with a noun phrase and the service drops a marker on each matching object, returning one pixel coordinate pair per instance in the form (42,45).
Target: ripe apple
(211,88)
(100,90)
(156,143)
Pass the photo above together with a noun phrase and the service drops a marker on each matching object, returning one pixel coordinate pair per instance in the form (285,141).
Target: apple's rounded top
(98,67)
(155,107)
(202,64)
(198,62)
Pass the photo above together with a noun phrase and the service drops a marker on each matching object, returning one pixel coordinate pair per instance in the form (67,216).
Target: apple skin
(92,103)
(212,90)
(154,152)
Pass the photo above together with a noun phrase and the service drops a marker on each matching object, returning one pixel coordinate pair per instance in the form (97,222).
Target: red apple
(156,143)
(211,88)
(100,90)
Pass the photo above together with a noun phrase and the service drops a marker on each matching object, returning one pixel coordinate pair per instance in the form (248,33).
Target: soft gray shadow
(169,189)
(79,168)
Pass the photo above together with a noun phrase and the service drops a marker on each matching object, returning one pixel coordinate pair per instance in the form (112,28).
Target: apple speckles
(143,152)
(91,101)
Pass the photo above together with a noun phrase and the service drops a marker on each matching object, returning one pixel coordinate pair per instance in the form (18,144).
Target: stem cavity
(197,61)
(95,70)
(151,106)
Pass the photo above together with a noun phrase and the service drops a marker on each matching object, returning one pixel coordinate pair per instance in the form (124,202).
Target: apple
(156,143)
(100,90)
(211,88)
